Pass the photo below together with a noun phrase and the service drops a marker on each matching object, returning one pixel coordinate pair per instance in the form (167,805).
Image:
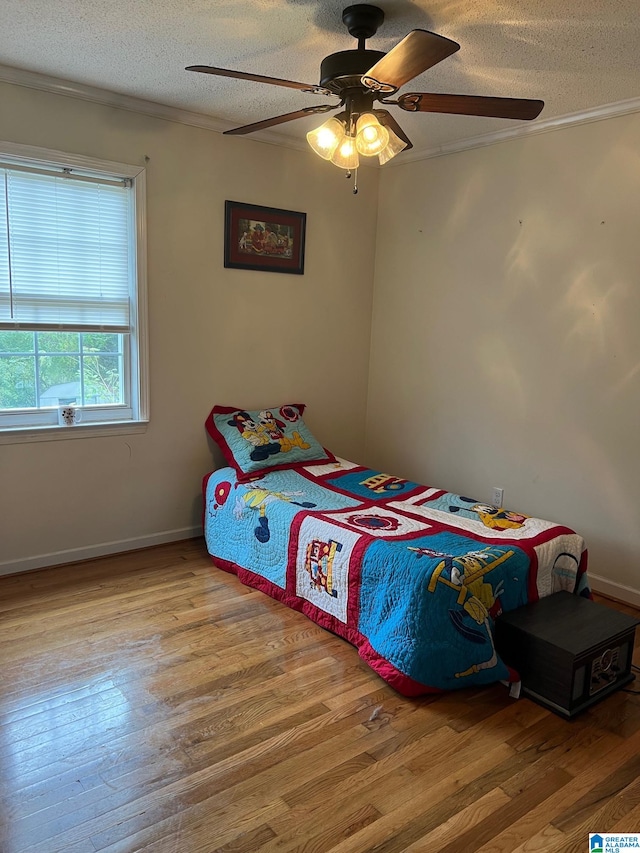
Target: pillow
(257,441)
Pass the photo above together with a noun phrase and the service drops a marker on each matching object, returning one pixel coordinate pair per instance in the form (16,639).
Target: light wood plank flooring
(150,702)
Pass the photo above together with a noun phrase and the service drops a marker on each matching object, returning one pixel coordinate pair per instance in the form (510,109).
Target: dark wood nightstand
(569,651)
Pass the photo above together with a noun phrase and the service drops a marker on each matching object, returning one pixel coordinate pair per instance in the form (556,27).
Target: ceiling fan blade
(258,78)
(471,105)
(271,122)
(387,120)
(413,55)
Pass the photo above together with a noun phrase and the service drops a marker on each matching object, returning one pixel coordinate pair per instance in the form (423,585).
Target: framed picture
(263,238)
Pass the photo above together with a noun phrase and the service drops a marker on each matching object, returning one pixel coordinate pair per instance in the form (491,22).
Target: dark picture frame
(264,238)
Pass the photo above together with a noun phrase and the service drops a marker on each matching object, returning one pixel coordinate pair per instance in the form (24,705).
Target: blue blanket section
(372,485)
(426,605)
(249,524)
(491,516)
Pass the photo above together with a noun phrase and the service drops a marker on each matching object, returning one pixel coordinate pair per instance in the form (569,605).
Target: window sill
(22,435)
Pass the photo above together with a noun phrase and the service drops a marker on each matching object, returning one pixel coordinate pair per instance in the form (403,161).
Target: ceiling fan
(361,77)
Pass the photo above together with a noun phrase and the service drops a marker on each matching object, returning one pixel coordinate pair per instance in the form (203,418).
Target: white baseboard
(615,590)
(73,555)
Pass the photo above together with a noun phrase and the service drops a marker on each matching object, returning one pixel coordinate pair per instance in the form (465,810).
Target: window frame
(41,424)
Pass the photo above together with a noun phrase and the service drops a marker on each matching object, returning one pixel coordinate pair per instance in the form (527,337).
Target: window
(72,290)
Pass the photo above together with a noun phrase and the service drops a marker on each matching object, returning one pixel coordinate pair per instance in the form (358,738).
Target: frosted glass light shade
(371,136)
(325,139)
(395,146)
(346,154)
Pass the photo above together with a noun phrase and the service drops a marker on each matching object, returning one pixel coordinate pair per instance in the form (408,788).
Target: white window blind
(65,251)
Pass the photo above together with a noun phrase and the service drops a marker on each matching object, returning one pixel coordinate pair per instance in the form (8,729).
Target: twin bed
(412,575)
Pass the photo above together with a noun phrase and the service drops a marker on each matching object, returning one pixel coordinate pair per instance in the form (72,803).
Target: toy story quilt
(411,575)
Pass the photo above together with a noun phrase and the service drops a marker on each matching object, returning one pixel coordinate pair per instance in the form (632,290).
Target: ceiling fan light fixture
(325,139)
(346,154)
(395,146)
(371,136)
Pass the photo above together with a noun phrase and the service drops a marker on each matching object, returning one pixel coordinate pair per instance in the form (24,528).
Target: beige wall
(506,330)
(234,337)
(505,345)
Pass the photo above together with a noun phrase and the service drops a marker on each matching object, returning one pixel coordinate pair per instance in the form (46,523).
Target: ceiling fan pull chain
(355,182)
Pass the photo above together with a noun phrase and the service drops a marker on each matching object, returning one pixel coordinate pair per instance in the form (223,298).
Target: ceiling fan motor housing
(362,20)
(343,70)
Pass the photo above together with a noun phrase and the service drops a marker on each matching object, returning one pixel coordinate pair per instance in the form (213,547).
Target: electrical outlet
(497,496)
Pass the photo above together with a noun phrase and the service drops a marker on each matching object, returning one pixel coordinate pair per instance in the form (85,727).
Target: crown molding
(619,108)
(45,83)
(56,85)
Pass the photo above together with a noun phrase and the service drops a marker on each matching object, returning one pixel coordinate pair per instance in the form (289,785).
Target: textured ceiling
(573,54)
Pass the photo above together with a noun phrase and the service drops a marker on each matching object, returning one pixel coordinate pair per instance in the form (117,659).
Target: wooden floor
(152,703)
